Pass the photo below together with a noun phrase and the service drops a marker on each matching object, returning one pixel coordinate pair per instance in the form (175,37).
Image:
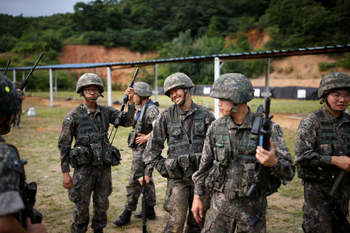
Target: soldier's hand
(130,92)
(147,180)
(22,96)
(67,180)
(343,162)
(197,208)
(265,157)
(142,138)
(35,228)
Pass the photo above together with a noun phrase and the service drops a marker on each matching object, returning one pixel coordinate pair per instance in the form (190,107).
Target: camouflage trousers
(87,180)
(133,192)
(178,203)
(244,209)
(317,215)
(134,189)
(17,118)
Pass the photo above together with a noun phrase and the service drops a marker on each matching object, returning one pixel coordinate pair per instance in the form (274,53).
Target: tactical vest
(187,151)
(233,171)
(141,125)
(90,146)
(327,145)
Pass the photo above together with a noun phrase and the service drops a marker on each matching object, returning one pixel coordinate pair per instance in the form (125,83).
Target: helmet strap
(331,106)
(233,109)
(182,102)
(7,126)
(141,99)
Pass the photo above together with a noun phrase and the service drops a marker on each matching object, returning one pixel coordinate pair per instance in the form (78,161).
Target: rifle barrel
(24,83)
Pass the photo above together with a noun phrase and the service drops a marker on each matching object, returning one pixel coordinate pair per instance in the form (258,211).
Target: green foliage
(343,62)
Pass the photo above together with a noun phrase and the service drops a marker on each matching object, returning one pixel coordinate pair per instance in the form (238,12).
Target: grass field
(37,140)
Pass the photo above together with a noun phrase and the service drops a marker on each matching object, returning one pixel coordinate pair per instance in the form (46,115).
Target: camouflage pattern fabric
(142,89)
(134,189)
(10,98)
(89,79)
(88,179)
(10,170)
(333,81)
(308,149)
(238,208)
(175,81)
(219,222)
(179,191)
(233,87)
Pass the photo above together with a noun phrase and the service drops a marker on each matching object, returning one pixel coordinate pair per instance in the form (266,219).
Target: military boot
(123,219)
(151,214)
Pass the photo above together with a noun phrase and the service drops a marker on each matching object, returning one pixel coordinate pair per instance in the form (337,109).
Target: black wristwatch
(275,167)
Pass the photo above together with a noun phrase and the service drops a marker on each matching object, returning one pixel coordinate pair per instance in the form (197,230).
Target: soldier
(143,125)
(322,150)
(17,118)
(231,167)
(183,125)
(92,155)
(11,170)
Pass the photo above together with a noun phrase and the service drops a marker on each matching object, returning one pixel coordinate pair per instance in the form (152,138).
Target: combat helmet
(234,87)
(176,81)
(10,98)
(89,79)
(142,89)
(331,81)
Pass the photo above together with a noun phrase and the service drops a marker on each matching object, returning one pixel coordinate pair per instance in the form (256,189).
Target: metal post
(155,91)
(23,77)
(51,87)
(267,70)
(55,84)
(216,76)
(109,85)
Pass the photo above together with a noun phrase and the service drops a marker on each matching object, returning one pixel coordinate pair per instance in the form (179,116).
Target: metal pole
(109,86)
(216,76)
(155,91)
(14,75)
(23,77)
(51,88)
(55,84)
(267,76)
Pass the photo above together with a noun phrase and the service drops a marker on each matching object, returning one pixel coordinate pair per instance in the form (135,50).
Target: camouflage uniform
(91,173)
(10,171)
(228,169)
(320,136)
(185,133)
(17,118)
(134,188)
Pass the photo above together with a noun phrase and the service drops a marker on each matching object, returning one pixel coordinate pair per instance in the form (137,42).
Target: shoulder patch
(68,119)
(305,124)
(153,112)
(277,130)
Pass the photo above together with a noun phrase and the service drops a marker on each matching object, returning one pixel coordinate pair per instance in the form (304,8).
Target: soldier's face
(177,95)
(91,92)
(136,98)
(225,106)
(338,99)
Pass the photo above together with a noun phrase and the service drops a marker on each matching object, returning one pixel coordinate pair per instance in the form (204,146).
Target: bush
(324,66)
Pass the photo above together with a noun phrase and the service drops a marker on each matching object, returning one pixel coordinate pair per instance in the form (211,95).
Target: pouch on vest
(247,178)
(222,155)
(79,156)
(111,155)
(173,169)
(195,160)
(96,153)
(160,167)
(176,132)
(199,129)
(325,149)
(184,161)
(131,139)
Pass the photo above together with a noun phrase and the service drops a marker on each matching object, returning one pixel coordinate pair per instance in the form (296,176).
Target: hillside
(290,71)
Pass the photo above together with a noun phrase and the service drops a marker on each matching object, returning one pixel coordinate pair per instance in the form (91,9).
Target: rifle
(144,202)
(125,100)
(7,66)
(25,81)
(336,212)
(28,193)
(262,129)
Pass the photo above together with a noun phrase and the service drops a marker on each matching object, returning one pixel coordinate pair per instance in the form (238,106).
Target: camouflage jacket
(162,128)
(148,117)
(317,142)
(71,125)
(10,172)
(239,160)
